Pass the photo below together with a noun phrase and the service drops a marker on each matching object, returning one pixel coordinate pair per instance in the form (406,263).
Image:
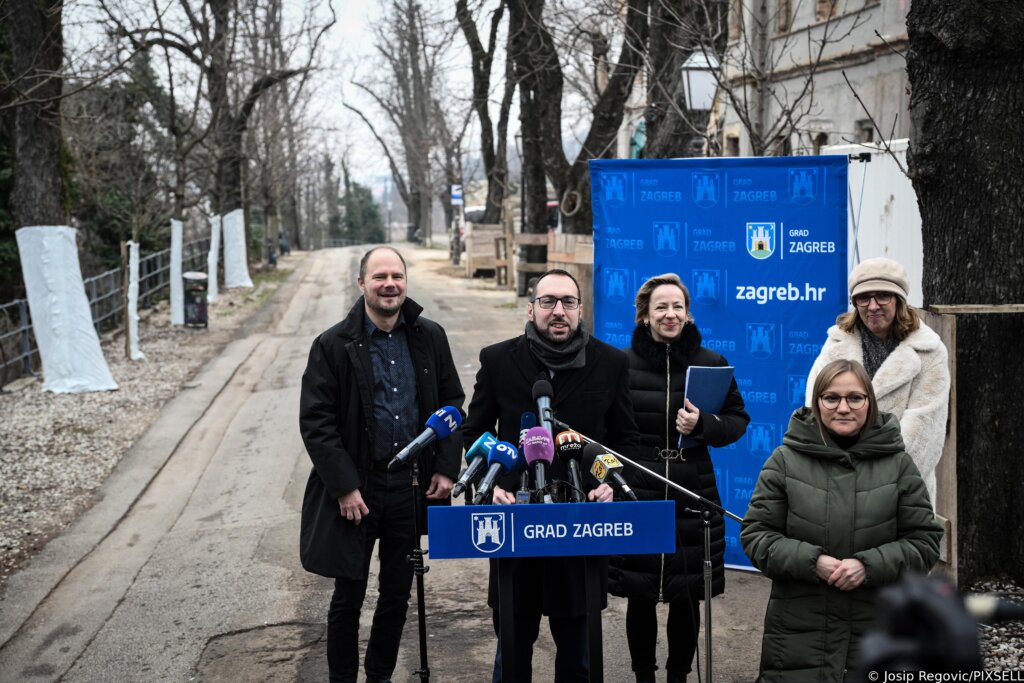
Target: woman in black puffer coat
(665,343)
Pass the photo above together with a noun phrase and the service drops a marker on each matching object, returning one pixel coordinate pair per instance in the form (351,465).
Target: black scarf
(874,348)
(570,355)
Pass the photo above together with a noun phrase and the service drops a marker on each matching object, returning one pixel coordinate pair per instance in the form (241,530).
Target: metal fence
(19,354)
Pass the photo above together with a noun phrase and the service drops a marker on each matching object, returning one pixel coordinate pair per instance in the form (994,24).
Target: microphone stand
(707,507)
(416,558)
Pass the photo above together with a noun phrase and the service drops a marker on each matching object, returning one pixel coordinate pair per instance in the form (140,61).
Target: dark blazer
(336,421)
(595,401)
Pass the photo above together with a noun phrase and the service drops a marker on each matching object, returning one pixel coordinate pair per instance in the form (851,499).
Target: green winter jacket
(812,498)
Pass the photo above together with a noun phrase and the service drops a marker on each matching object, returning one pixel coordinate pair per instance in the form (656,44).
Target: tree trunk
(37,47)
(540,74)
(964,68)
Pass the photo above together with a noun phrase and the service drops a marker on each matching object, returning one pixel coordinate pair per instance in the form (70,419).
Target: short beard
(382,310)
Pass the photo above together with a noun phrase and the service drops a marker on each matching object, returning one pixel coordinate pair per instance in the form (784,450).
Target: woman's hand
(848,575)
(686,418)
(826,565)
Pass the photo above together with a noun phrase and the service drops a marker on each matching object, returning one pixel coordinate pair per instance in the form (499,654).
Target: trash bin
(195,299)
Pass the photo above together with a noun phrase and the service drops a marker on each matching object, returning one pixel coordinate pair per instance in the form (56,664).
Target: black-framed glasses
(569,303)
(881,298)
(854,401)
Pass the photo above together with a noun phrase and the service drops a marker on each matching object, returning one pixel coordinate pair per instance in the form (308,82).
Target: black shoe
(644,676)
(676,677)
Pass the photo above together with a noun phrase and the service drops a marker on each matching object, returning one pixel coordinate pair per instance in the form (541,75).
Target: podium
(507,532)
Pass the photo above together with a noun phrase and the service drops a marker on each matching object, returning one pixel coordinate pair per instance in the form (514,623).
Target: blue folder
(706,388)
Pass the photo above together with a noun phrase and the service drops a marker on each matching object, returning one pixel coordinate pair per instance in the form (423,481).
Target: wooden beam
(975,309)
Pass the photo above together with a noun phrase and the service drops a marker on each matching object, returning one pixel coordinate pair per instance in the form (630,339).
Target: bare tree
(37,50)
(410,55)
(493,143)
(768,71)
(540,80)
(212,30)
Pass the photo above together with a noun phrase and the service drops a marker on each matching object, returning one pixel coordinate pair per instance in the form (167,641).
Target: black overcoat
(336,421)
(594,400)
(657,382)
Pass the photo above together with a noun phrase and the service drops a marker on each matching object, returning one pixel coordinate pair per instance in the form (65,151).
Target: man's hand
(602,494)
(848,575)
(825,566)
(440,486)
(686,418)
(352,506)
(503,497)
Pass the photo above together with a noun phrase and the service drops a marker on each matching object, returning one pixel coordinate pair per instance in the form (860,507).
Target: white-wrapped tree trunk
(211,260)
(68,344)
(133,302)
(177,285)
(236,262)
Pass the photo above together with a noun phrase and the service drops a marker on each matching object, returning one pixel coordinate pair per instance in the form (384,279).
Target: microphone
(476,456)
(990,609)
(440,425)
(539,451)
(526,421)
(606,466)
(502,457)
(569,446)
(542,393)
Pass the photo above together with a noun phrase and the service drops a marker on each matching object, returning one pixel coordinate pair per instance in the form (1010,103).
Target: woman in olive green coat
(839,511)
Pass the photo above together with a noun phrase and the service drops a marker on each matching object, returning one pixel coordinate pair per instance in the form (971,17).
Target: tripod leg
(416,558)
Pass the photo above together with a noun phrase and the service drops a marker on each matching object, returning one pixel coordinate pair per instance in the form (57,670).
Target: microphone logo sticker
(488,530)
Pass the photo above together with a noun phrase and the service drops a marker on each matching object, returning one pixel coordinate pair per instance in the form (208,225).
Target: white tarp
(61,319)
(177,287)
(211,260)
(133,302)
(236,262)
(884,219)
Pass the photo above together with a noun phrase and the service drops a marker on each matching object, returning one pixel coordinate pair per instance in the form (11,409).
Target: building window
(825,9)
(784,17)
(732,146)
(735,19)
(819,142)
(865,131)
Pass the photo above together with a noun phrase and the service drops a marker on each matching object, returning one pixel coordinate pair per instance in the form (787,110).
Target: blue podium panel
(538,530)
(761,245)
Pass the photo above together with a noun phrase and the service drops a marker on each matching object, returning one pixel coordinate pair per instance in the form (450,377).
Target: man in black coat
(371,382)
(591,392)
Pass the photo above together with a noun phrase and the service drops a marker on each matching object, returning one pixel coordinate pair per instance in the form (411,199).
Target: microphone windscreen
(481,447)
(444,421)
(506,455)
(542,387)
(537,446)
(569,445)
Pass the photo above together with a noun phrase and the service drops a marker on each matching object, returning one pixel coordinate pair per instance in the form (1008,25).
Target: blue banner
(761,245)
(484,531)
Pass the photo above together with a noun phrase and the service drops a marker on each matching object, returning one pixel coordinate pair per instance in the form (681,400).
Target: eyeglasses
(569,303)
(881,298)
(854,401)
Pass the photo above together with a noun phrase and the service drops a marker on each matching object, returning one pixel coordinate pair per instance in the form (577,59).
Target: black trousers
(642,635)
(572,661)
(389,498)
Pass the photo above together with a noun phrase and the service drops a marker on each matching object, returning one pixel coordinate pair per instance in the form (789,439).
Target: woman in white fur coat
(906,360)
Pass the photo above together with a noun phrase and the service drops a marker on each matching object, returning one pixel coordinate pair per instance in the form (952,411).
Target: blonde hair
(643,295)
(833,370)
(906,321)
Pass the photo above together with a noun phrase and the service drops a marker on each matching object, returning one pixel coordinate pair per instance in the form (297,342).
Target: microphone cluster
(536,453)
